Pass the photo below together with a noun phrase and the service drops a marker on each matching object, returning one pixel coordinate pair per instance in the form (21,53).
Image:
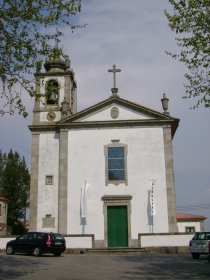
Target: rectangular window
(190,229)
(49,180)
(0,209)
(116,163)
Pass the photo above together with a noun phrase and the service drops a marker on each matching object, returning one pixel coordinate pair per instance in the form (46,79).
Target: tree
(24,38)
(191,21)
(14,180)
(2,167)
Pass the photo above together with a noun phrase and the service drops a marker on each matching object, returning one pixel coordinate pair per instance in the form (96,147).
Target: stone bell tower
(56,99)
(56,90)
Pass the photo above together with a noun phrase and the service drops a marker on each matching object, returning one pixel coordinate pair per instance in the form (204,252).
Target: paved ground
(103,267)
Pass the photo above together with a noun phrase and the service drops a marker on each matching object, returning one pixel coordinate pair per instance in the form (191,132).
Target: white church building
(106,171)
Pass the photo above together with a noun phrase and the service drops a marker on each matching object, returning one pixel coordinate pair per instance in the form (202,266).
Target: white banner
(152,199)
(83,200)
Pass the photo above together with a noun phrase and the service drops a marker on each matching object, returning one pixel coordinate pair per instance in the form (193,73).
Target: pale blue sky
(133,35)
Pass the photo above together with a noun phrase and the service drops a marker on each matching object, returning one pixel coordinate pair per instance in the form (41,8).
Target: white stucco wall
(79,242)
(165,240)
(105,114)
(182,226)
(48,165)
(145,162)
(3,242)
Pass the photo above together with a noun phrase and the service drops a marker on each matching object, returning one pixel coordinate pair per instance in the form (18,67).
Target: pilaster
(63,182)
(170,185)
(67,89)
(34,181)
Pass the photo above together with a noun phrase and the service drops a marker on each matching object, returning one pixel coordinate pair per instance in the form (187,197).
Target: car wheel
(37,252)
(10,250)
(57,254)
(195,256)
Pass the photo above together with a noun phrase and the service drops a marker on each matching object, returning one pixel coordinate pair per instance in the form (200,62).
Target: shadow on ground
(14,267)
(165,267)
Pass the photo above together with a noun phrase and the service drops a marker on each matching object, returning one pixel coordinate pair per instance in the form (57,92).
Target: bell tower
(56,100)
(55,89)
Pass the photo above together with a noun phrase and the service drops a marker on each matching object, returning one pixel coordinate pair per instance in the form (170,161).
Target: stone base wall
(168,250)
(164,240)
(155,243)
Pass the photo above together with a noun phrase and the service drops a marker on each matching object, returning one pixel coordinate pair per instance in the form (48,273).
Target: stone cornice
(43,127)
(118,101)
(156,117)
(53,126)
(68,73)
(116,197)
(74,121)
(64,73)
(117,123)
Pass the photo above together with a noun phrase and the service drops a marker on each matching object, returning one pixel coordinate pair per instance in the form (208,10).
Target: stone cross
(114,70)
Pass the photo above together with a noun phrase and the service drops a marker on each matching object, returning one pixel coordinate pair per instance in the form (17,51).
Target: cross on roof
(114,70)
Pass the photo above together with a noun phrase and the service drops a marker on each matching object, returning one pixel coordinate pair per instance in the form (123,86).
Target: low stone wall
(75,241)
(3,242)
(164,240)
(168,250)
(153,243)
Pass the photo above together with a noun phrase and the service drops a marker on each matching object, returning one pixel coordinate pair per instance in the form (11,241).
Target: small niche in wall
(48,221)
(49,179)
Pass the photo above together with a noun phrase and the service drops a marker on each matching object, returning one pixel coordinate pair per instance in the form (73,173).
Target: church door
(117,226)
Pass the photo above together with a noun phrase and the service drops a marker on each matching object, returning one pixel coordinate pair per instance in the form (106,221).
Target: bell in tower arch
(52,92)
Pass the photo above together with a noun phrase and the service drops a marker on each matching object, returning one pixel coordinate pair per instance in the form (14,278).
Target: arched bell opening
(52,92)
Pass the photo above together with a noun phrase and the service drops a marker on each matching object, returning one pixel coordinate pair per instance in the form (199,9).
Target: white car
(200,245)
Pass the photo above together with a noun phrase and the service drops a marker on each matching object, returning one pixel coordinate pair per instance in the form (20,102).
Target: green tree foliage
(14,179)
(2,167)
(191,21)
(25,37)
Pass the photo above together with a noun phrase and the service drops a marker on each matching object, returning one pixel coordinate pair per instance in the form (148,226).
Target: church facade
(105,171)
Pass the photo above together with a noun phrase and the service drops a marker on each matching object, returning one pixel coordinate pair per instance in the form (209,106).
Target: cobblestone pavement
(103,267)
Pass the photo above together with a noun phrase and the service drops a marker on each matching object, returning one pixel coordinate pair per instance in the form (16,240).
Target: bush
(18,228)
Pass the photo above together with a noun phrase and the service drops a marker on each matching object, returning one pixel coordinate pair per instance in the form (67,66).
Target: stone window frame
(117,144)
(47,181)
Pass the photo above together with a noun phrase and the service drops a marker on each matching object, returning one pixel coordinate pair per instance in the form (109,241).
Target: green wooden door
(117,226)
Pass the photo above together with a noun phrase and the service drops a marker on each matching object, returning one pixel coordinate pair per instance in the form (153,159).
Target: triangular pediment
(115,109)
(111,112)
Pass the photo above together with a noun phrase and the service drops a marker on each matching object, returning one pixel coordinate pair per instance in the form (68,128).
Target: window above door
(115,163)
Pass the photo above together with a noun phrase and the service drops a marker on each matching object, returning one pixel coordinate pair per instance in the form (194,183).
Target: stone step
(113,250)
